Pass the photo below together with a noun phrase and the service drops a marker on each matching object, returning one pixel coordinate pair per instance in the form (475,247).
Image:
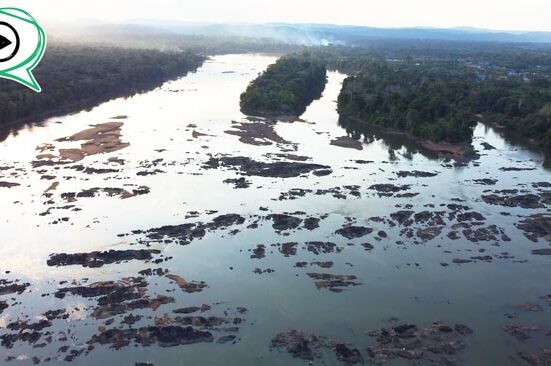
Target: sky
(489,14)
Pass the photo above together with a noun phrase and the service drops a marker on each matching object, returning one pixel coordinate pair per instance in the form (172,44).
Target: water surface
(403,276)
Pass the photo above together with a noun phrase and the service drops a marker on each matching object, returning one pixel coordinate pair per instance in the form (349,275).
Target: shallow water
(404,280)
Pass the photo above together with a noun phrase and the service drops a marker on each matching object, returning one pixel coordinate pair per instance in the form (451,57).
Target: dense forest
(429,102)
(286,87)
(519,106)
(76,77)
(438,94)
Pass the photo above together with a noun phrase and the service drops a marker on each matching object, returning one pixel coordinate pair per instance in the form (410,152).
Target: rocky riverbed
(168,227)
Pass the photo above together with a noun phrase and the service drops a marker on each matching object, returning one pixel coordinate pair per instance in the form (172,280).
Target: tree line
(440,94)
(74,77)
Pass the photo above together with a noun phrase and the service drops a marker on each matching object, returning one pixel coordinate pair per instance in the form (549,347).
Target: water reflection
(395,142)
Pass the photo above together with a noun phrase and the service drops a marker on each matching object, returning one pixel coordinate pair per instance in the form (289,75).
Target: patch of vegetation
(519,106)
(76,77)
(437,92)
(428,102)
(286,87)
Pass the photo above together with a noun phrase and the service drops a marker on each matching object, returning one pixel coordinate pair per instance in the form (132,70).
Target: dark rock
(352,232)
(311,223)
(259,252)
(463,329)
(299,344)
(415,173)
(435,345)
(322,172)
(319,247)
(284,222)
(485,181)
(239,182)
(487,146)
(8,184)
(350,356)
(470,216)
(327,264)
(131,319)
(247,166)
(515,169)
(367,246)
(529,307)
(164,336)
(8,287)
(288,249)
(186,233)
(389,188)
(537,359)
(226,339)
(98,259)
(347,142)
(536,226)
(192,309)
(401,216)
(520,332)
(333,282)
(524,200)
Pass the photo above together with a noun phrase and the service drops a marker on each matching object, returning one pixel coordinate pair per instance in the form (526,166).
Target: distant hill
(318,34)
(301,34)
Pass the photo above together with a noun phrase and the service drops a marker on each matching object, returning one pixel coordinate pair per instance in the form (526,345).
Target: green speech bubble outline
(33,59)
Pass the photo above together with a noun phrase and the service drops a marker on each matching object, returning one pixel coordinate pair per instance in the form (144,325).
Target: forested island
(426,101)
(439,93)
(75,77)
(286,88)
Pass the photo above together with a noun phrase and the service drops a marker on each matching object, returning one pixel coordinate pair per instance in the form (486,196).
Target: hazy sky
(492,14)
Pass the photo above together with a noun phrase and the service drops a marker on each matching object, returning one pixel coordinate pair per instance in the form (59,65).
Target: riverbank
(461,151)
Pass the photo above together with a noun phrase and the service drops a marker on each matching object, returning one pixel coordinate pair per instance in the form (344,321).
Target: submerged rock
(536,226)
(437,345)
(529,307)
(349,356)
(164,336)
(520,332)
(303,345)
(542,358)
(333,282)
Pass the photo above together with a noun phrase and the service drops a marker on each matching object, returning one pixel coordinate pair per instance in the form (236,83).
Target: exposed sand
(101,138)
(347,142)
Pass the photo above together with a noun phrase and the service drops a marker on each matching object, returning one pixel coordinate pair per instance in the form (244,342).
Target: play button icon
(4,42)
(9,42)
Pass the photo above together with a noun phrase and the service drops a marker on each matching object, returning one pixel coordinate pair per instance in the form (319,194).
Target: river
(461,260)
